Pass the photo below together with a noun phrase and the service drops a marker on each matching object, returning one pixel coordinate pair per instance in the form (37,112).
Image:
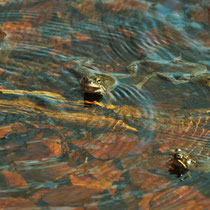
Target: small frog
(180,163)
(198,74)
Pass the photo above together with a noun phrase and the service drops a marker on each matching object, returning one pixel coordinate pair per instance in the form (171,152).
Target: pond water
(58,151)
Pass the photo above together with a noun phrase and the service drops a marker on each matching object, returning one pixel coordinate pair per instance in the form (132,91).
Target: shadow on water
(61,147)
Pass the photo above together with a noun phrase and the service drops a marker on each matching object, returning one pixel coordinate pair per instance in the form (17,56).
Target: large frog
(197,74)
(95,82)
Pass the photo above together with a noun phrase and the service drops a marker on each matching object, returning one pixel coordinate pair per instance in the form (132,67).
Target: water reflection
(57,151)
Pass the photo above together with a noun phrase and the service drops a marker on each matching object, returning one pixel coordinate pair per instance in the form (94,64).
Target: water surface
(55,152)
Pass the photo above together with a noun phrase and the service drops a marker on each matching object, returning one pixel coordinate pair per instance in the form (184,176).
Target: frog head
(97,83)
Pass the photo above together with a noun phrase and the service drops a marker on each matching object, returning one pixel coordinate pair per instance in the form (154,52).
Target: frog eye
(178,156)
(98,81)
(178,150)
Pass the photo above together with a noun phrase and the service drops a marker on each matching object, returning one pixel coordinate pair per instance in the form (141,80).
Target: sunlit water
(57,152)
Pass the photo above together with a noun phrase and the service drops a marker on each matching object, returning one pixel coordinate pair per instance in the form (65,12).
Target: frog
(97,83)
(183,163)
(198,75)
(94,82)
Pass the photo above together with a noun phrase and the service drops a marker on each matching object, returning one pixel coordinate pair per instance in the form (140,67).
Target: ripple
(56,145)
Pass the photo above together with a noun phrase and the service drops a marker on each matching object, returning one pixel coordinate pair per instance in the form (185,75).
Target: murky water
(57,152)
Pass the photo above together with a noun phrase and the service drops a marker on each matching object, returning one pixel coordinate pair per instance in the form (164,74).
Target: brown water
(54,151)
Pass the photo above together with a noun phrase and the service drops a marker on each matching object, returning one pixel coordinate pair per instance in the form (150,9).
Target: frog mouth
(93,88)
(182,164)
